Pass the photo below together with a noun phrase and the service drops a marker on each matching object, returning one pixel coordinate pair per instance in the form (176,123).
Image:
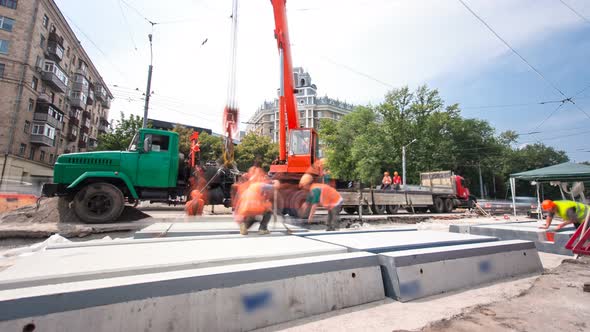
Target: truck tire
(99,203)
(379,209)
(392,209)
(439,205)
(449,206)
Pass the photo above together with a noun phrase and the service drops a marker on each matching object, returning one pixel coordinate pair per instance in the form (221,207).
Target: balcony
(72,133)
(100,92)
(103,128)
(106,103)
(78,99)
(86,124)
(81,144)
(46,118)
(44,98)
(74,121)
(41,140)
(92,143)
(90,97)
(54,76)
(55,51)
(54,37)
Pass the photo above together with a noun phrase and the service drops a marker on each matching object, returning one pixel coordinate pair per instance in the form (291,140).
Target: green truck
(152,169)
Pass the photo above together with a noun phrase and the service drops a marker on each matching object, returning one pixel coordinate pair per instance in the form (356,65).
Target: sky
(355,51)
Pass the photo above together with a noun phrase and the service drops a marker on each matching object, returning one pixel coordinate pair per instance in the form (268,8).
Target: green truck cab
(99,183)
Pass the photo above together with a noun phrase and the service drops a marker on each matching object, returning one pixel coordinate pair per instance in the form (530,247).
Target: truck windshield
(133,144)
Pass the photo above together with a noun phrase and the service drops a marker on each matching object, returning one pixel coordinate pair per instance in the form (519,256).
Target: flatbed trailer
(439,192)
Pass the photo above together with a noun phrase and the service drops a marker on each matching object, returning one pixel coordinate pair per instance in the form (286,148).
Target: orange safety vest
(252,202)
(329,197)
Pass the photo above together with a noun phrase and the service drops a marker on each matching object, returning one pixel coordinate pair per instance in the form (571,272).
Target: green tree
(256,150)
(211,147)
(120,137)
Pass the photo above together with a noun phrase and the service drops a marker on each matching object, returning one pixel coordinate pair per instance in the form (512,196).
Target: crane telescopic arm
(288,116)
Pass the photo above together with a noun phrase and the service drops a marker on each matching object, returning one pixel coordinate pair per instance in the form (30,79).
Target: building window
(51,158)
(27,126)
(32,153)
(45,21)
(22,149)
(4,46)
(42,156)
(34,83)
(31,105)
(42,42)
(8,3)
(2,67)
(6,23)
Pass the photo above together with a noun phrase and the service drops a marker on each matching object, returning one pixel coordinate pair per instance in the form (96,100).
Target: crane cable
(230,113)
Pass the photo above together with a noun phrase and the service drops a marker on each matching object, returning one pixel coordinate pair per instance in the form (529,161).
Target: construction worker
(571,212)
(254,198)
(386,181)
(397,181)
(323,195)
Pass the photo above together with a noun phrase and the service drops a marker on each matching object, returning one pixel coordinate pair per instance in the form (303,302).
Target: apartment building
(52,98)
(311,108)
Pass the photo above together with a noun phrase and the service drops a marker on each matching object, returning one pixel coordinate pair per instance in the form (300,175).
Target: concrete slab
(525,231)
(198,228)
(413,274)
(88,263)
(378,242)
(237,297)
(358,231)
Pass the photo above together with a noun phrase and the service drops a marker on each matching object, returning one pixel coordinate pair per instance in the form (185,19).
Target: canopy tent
(566,172)
(561,172)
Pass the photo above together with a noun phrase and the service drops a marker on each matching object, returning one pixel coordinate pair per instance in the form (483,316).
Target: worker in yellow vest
(571,212)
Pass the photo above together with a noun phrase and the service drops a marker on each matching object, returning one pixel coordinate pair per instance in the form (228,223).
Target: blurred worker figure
(397,181)
(571,212)
(386,182)
(322,195)
(254,198)
(196,204)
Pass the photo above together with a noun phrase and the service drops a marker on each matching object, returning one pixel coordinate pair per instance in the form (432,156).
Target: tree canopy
(121,135)
(256,150)
(369,140)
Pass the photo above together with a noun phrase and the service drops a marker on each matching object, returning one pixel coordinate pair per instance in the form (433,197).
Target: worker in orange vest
(397,181)
(320,194)
(386,182)
(255,199)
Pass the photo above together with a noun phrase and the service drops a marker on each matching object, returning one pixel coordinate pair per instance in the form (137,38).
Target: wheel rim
(99,204)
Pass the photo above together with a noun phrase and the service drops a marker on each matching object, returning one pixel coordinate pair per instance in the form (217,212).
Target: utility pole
(149,86)
(480,180)
(404,162)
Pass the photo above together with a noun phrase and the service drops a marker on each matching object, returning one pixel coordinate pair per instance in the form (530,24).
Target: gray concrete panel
(198,228)
(378,242)
(87,263)
(358,273)
(413,274)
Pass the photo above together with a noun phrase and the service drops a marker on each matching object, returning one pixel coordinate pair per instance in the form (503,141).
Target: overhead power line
(127,24)
(513,50)
(575,12)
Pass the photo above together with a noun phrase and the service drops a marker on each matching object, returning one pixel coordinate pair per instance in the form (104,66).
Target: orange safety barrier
(580,243)
(12,201)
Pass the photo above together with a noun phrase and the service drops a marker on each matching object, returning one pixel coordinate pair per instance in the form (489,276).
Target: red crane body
(303,142)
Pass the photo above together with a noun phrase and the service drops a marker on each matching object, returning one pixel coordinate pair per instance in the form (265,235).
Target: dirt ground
(555,302)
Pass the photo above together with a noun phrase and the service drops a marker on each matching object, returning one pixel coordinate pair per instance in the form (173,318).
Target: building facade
(52,98)
(311,108)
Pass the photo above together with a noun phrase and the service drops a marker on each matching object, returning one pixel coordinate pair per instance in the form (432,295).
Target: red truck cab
(462,191)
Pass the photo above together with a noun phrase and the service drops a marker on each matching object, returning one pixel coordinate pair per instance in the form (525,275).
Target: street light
(404,162)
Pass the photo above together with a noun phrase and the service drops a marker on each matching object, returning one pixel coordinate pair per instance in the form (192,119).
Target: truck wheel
(379,209)
(392,209)
(449,206)
(439,205)
(99,203)
(350,210)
